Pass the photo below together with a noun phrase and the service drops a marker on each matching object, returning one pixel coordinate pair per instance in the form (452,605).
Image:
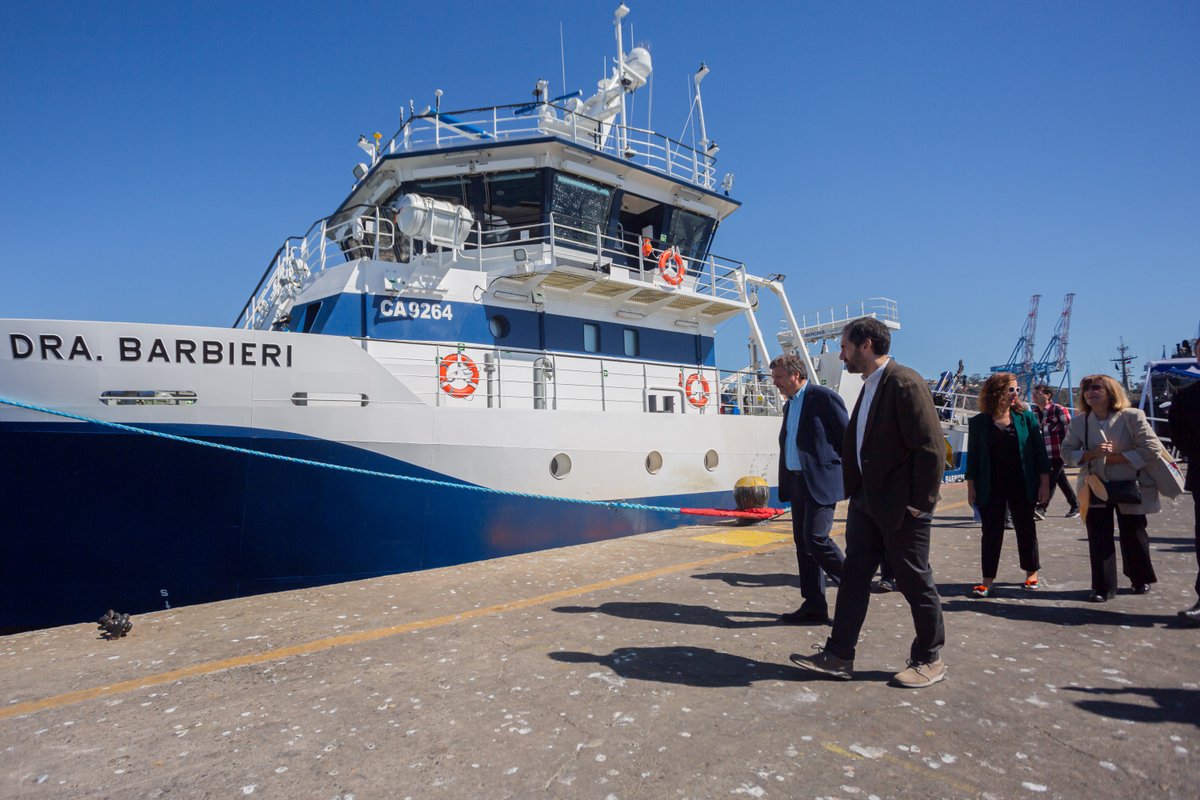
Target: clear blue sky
(956,157)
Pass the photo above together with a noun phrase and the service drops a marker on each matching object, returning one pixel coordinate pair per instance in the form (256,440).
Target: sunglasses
(1011,390)
(1094,387)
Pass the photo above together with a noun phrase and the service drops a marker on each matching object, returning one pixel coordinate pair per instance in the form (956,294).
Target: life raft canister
(699,399)
(671,276)
(457,368)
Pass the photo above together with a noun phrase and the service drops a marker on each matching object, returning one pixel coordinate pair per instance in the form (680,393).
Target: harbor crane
(1020,363)
(1054,359)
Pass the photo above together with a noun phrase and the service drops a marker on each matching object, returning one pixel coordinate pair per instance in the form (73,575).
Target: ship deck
(643,667)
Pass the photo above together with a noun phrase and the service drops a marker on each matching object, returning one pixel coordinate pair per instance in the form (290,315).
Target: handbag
(1123,492)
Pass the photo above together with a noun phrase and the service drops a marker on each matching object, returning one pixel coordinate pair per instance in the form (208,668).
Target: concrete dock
(646,667)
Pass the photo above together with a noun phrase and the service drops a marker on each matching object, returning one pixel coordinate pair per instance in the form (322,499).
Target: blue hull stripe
(100,519)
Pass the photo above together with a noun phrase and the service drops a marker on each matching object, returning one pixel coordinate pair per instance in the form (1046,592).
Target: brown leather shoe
(921,674)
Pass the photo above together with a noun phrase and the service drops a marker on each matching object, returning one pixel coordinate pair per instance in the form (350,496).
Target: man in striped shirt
(1054,420)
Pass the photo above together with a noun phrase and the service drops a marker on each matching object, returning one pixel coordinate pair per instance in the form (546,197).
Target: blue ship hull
(98,519)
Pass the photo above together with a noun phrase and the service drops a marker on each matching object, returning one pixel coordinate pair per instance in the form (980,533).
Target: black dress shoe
(1141,588)
(805,616)
(1191,615)
(1097,597)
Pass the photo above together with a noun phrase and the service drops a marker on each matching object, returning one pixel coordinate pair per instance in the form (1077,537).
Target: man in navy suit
(810,477)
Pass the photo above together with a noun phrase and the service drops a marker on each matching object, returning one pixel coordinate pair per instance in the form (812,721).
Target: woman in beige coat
(1112,441)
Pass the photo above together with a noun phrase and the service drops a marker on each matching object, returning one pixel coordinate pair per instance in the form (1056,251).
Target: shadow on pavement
(967,521)
(748,579)
(697,666)
(1174,544)
(1007,591)
(1170,705)
(1066,616)
(679,613)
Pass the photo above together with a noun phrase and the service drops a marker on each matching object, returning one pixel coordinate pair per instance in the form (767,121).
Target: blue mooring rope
(306,462)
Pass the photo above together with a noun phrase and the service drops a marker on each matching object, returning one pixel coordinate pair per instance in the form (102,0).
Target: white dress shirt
(870,384)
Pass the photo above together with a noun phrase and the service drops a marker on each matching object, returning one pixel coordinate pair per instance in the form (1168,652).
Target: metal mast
(1054,359)
(1123,360)
(1020,363)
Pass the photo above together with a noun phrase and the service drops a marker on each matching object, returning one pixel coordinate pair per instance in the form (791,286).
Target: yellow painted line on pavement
(756,538)
(924,771)
(744,538)
(329,643)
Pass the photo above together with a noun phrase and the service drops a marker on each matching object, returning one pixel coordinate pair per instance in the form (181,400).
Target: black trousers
(1058,477)
(1135,548)
(1196,525)
(907,550)
(1017,502)
(816,553)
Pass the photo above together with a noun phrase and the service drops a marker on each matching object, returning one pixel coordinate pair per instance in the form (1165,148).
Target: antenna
(1123,360)
(699,76)
(562,57)
(619,15)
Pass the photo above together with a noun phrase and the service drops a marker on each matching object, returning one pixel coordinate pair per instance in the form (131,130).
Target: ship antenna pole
(621,11)
(562,55)
(699,76)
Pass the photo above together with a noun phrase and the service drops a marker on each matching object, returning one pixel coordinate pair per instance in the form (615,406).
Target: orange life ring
(697,399)
(464,371)
(672,277)
(647,249)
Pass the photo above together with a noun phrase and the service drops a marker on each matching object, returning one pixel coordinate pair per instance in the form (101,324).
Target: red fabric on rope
(750,513)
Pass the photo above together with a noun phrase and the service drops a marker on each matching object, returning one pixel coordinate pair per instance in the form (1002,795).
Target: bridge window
(513,200)
(580,206)
(454,189)
(641,219)
(690,233)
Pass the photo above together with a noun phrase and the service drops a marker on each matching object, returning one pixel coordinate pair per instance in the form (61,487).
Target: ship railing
(515,378)
(955,408)
(369,232)
(575,241)
(645,148)
(827,323)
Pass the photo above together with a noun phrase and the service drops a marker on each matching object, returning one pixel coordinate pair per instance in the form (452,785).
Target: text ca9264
(415,309)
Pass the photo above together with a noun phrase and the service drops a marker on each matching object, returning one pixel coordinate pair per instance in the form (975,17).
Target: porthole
(711,459)
(654,462)
(560,466)
(499,326)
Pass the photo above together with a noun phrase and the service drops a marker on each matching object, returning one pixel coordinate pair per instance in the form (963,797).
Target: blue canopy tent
(1164,378)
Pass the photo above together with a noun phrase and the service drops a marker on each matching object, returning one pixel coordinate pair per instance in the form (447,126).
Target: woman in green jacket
(1007,469)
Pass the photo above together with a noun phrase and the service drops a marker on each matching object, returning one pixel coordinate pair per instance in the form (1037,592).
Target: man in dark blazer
(810,477)
(1184,416)
(892,464)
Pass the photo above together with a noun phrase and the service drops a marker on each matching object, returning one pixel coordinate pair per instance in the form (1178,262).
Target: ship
(502,340)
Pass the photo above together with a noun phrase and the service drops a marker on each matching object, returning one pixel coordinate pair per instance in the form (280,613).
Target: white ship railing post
(603,396)
(324,239)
